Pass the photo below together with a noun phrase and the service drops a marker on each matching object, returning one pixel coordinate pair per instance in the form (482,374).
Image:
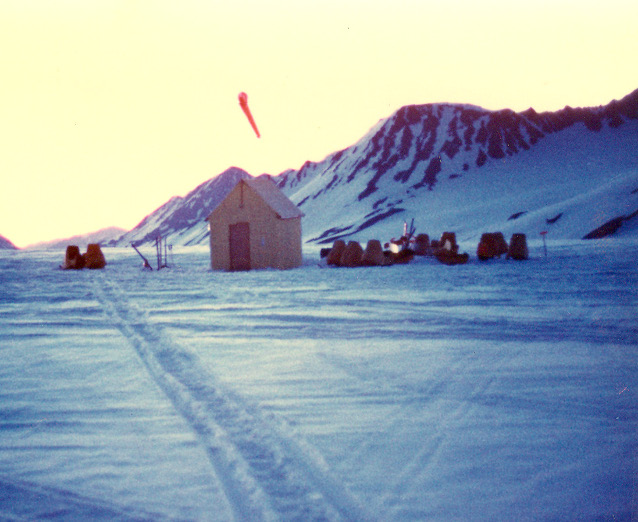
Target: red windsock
(243,103)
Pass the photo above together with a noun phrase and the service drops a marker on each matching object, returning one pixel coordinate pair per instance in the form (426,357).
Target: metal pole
(165,253)
(543,234)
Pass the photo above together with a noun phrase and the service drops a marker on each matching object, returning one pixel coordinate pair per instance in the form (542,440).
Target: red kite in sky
(243,103)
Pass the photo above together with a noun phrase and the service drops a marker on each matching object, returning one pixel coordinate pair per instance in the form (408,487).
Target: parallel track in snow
(265,474)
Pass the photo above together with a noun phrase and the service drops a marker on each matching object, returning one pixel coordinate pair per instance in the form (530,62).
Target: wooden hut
(255,226)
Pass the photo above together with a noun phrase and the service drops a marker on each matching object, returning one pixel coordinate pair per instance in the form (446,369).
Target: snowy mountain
(470,170)
(5,244)
(461,168)
(182,218)
(101,237)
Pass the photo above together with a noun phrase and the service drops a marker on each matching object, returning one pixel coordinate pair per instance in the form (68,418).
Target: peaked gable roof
(272,196)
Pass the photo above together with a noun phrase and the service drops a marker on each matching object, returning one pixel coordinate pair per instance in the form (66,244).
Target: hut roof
(272,196)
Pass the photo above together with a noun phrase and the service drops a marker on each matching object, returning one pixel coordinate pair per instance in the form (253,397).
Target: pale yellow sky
(109,108)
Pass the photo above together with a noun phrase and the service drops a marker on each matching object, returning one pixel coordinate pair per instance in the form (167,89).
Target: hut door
(239,238)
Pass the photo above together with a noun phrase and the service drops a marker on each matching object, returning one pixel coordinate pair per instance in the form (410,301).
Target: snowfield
(489,391)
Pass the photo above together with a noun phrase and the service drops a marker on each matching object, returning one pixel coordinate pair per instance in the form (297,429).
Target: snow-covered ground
(490,391)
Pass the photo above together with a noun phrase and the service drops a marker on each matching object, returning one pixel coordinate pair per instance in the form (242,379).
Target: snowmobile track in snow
(263,472)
